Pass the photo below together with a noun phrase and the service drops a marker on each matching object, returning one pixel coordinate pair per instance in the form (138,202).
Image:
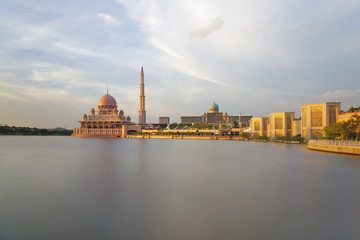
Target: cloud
(108,19)
(212,27)
(185,64)
(298,26)
(29,93)
(76,50)
(346,97)
(12,96)
(257,61)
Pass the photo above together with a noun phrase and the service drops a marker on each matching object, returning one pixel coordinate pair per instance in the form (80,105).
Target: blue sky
(256,57)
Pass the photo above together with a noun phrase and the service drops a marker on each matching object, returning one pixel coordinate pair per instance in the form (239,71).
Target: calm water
(79,188)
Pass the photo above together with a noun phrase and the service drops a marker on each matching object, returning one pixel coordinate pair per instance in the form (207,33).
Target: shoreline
(342,147)
(212,137)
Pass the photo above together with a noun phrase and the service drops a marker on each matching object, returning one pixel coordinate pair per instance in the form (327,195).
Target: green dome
(214,107)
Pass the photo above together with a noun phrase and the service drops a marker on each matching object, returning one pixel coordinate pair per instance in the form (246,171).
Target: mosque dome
(107,100)
(214,107)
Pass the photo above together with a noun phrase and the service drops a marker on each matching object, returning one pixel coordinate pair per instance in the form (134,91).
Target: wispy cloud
(77,50)
(213,26)
(108,19)
(299,26)
(342,95)
(12,96)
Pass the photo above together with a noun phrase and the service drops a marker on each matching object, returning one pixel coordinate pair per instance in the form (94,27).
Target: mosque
(108,121)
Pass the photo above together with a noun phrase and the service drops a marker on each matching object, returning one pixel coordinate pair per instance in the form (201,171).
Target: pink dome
(107,100)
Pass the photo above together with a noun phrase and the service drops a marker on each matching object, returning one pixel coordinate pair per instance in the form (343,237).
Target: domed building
(108,121)
(214,108)
(214,117)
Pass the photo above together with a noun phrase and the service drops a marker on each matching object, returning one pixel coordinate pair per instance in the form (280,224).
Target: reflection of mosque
(108,121)
(214,116)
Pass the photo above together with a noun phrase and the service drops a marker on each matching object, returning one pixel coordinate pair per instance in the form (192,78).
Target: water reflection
(73,188)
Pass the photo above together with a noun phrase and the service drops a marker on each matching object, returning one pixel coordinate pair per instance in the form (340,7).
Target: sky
(251,57)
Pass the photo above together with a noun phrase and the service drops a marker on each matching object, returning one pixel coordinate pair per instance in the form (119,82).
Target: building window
(264,125)
(316,116)
(288,121)
(303,117)
(332,114)
(257,125)
(278,122)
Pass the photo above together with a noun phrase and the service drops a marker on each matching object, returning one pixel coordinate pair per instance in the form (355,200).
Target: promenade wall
(212,137)
(336,146)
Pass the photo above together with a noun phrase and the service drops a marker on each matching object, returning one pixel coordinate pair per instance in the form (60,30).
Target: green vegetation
(200,126)
(354,109)
(262,138)
(245,135)
(6,130)
(349,130)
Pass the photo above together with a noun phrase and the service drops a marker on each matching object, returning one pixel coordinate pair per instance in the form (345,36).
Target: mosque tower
(142,112)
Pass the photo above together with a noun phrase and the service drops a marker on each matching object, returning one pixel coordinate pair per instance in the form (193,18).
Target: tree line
(7,130)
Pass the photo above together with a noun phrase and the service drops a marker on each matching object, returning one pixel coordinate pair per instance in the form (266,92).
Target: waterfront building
(215,117)
(191,120)
(259,126)
(108,121)
(316,116)
(296,127)
(164,120)
(281,124)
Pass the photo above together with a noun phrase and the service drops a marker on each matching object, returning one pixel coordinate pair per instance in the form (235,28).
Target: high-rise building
(281,124)
(142,112)
(316,116)
(259,126)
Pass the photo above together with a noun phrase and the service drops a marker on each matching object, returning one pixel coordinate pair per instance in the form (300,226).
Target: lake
(87,188)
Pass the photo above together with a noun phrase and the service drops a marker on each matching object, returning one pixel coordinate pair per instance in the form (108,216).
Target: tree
(354,125)
(354,109)
(337,130)
(245,134)
(349,129)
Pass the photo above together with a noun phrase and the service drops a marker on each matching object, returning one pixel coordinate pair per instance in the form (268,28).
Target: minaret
(142,112)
